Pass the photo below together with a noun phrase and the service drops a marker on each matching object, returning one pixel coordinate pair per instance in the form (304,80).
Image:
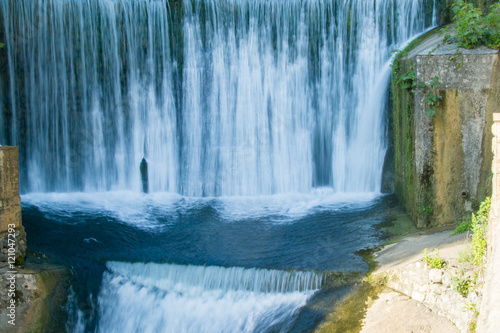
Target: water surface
(168,263)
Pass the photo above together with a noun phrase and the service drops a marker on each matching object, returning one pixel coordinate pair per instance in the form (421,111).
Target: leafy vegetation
(464,226)
(408,79)
(463,283)
(434,261)
(473,29)
(478,224)
(432,97)
(480,228)
(492,27)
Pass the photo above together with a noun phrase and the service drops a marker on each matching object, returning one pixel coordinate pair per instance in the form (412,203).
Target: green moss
(339,279)
(367,255)
(19,260)
(349,313)
(397,226)
(414,191)
(402,120)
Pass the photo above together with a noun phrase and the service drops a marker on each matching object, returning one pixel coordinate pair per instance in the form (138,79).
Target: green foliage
(472,307)
(2,45)
(469,24)
(464,226)
(492,27)
(407,80)
(473,29)
(472,326)
(434,261)
(480,228)
(432,97)
(426,210)
(463,283)
(478,224)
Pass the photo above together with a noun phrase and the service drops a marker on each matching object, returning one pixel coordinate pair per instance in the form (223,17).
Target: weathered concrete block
(443,162)
(10,201)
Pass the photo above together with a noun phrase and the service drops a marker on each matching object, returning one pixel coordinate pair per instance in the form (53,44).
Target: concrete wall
(443,161)
(10,205)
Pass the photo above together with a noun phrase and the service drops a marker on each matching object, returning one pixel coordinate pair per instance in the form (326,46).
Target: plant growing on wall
(478,224)
(432,97)
(433,261)
(480,227)
(408,81)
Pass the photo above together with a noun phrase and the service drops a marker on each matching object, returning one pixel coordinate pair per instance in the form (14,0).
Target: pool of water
(168,263)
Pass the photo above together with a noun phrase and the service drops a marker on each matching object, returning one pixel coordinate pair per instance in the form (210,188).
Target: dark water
(170,253)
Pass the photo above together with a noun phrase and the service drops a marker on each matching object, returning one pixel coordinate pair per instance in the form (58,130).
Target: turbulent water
(222,97)
(264,125)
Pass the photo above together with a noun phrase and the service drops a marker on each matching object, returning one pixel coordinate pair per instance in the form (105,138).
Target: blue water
(308,234)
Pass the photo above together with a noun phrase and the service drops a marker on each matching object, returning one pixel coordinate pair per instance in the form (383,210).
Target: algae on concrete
(442,163)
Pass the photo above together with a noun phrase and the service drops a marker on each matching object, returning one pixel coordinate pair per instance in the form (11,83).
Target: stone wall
(443,161)
(433,288)
(490,307)
(10,207)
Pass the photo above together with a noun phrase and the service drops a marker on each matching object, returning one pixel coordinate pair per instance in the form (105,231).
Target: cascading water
(222,97)
(201,299)
(278,107)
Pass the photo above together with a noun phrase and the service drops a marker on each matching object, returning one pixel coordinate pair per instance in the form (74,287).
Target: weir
(223,97)
(277,107)
(173,298)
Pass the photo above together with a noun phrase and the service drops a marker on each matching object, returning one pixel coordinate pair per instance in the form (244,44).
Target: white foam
(159,209)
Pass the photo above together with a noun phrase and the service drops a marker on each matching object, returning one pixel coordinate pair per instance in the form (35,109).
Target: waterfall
(222,97)
(175,298)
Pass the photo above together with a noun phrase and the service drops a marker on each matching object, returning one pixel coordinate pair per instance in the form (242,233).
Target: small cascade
(175,298)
